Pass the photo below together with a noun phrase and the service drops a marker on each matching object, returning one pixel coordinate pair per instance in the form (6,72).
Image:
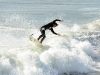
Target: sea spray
(65,54)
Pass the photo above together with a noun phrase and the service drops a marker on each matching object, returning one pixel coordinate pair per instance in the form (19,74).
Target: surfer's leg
(39,37)
(43,35)
(42,39)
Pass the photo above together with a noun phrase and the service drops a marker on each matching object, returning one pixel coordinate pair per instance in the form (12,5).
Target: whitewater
(75,52)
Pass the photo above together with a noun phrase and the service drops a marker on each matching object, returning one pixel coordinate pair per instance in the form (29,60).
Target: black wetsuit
(45,27)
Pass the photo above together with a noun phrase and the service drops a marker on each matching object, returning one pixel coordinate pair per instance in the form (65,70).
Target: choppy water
(76,52)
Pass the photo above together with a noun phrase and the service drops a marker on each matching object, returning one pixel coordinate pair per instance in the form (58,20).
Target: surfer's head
(55,24)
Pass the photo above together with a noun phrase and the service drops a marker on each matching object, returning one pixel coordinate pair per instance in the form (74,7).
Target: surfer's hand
(61,20)
(58,34)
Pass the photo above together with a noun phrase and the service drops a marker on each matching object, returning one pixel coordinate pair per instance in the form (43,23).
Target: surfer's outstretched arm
(54,32)
(57,20)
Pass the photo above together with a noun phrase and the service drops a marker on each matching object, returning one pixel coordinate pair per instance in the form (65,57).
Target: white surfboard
(35,41)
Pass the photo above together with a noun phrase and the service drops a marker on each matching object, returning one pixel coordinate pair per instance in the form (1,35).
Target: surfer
(49,26)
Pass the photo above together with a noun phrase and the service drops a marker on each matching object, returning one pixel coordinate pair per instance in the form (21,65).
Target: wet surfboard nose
(35,41)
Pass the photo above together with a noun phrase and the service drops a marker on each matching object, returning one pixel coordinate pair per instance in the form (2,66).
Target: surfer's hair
(55,24)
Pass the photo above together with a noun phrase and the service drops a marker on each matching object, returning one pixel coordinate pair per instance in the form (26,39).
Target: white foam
(68,60)
(65,54)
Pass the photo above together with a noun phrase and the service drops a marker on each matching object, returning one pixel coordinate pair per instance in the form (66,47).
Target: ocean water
(75,52)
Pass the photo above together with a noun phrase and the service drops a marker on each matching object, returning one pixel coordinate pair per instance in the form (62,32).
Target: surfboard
(35,41)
